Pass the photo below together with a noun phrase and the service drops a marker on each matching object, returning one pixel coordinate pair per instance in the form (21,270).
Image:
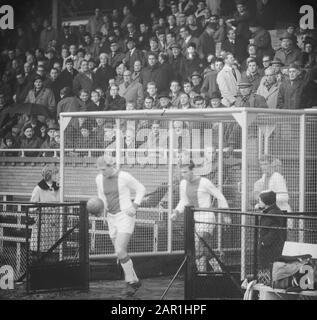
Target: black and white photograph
(158,155)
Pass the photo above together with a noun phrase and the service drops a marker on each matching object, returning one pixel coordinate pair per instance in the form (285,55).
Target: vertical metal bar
(118,144)
(255,247)
(83,245)
(27,244)
(39,231)
(189,244)
(302,168)
(170,187)
(18,252)
(260,143)
(220,180)
(155,237)
(62,158)
(244,180)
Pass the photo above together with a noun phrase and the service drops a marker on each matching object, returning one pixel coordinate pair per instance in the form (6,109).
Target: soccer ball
(95,206)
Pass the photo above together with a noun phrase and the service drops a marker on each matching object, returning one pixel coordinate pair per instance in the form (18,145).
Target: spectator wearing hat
(131,90)
(67,76)
(269,88)
(278,66)
(115,56)
(196,80)
(210,80)
(215,100)
(84,79)
(261,38)
(177,61)
(50,132)
(164,101)
(228,79)
(290,92)
(133,54)
(206,43)
(30,141)
(247,99)
(41,95)
(252,74)
(287,53)
(271,238)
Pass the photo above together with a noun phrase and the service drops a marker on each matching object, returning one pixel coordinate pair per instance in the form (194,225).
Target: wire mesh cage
(57,247)
(227,146)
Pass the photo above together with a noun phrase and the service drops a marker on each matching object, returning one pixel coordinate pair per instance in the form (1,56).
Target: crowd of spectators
(189,54)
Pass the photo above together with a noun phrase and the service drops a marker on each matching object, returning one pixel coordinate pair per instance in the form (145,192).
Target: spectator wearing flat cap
(177,61)
(290,92)
(287,53)
(30,141)
(271,238)
(116,56)
(247,99)
(41,95)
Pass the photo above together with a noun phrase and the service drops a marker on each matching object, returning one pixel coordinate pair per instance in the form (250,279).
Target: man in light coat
(228,79)
(269,88)
(131,90)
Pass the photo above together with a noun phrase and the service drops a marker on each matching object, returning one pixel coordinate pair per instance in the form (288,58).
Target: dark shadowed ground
(152,289)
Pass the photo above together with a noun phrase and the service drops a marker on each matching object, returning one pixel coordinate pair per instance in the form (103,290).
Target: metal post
(170,187)
(244,190)
(220,180)
(302,167)
(27,244)
(255,247)
(62,158)
(118,144)
(83,244)
(189,244)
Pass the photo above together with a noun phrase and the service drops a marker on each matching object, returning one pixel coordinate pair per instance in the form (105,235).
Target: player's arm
(137,186)
(100,191)
(183,201)
(215,192)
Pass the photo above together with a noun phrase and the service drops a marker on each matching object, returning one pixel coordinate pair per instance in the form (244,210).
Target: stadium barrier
(49,246)
(214,271)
